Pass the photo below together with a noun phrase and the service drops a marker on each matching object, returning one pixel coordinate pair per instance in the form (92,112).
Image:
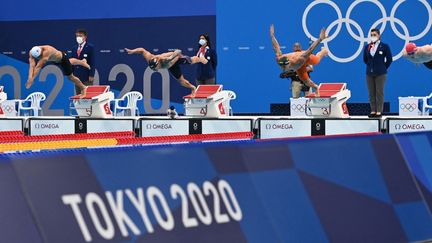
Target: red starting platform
(95,103)
(331,101)
(209,101)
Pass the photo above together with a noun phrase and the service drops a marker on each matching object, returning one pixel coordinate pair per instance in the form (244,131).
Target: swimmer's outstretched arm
(314,45)
(421,51)
(275,43)
(32,64)
(146,54)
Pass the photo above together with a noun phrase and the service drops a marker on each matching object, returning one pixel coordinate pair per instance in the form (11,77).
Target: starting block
(209,101)
(3,97)
(330,103)
(95,104)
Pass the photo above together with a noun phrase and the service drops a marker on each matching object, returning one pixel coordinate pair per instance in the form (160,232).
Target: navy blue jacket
(207,71)
(380,62)
(87,53)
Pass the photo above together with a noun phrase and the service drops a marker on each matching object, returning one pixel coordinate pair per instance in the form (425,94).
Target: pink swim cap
(410,48)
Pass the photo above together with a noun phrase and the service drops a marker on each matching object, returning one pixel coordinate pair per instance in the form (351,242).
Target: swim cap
(410,48)
(153,63)
(35,51)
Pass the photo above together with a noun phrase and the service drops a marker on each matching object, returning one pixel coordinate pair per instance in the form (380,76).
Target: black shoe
(378,115)
(372,115)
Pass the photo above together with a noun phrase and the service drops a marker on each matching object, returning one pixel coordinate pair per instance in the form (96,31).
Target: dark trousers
(375,86)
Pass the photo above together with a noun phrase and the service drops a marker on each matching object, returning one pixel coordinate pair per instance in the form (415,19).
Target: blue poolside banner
(417,150)
(17,223)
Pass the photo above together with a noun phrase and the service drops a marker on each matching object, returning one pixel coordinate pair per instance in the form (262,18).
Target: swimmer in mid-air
(171,61)
(299,60)
(419,54)
(40,55)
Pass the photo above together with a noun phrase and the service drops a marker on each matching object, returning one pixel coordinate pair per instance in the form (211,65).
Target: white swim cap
(35,51)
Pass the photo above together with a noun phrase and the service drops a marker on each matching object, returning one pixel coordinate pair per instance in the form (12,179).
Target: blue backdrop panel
(100,9)
(247,61)
(110,37)
(232,192)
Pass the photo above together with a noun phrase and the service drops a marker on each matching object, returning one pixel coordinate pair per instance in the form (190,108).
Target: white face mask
(373,39)
(202,42)
(79,40)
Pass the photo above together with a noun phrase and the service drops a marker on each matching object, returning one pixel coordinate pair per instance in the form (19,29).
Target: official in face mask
(83,50)
(377,57)
(206,73)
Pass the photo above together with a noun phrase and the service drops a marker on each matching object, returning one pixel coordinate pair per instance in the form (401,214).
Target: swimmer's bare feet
(203,59)
(83,92)
(85,64)
(322,35)
(324,51)
(193,92)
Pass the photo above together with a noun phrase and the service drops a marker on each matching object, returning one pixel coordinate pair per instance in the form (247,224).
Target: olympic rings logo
(408,107)
(298,107)
(361,38)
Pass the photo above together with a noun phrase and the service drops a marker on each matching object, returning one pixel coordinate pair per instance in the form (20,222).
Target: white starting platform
(65,125)
(414,115)
(12,124)
(265,127)
(95,103)
(72,125)
(209,101)
(398,124)
(3,98)
(331,102)
(208,112)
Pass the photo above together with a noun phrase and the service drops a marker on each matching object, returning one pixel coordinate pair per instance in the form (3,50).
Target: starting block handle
(73,107)
(200,108)
(308,110)
(232,95)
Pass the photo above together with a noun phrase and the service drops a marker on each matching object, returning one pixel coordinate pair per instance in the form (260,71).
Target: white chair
(35,103)
(226,103)
(131,108)
(426,104)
